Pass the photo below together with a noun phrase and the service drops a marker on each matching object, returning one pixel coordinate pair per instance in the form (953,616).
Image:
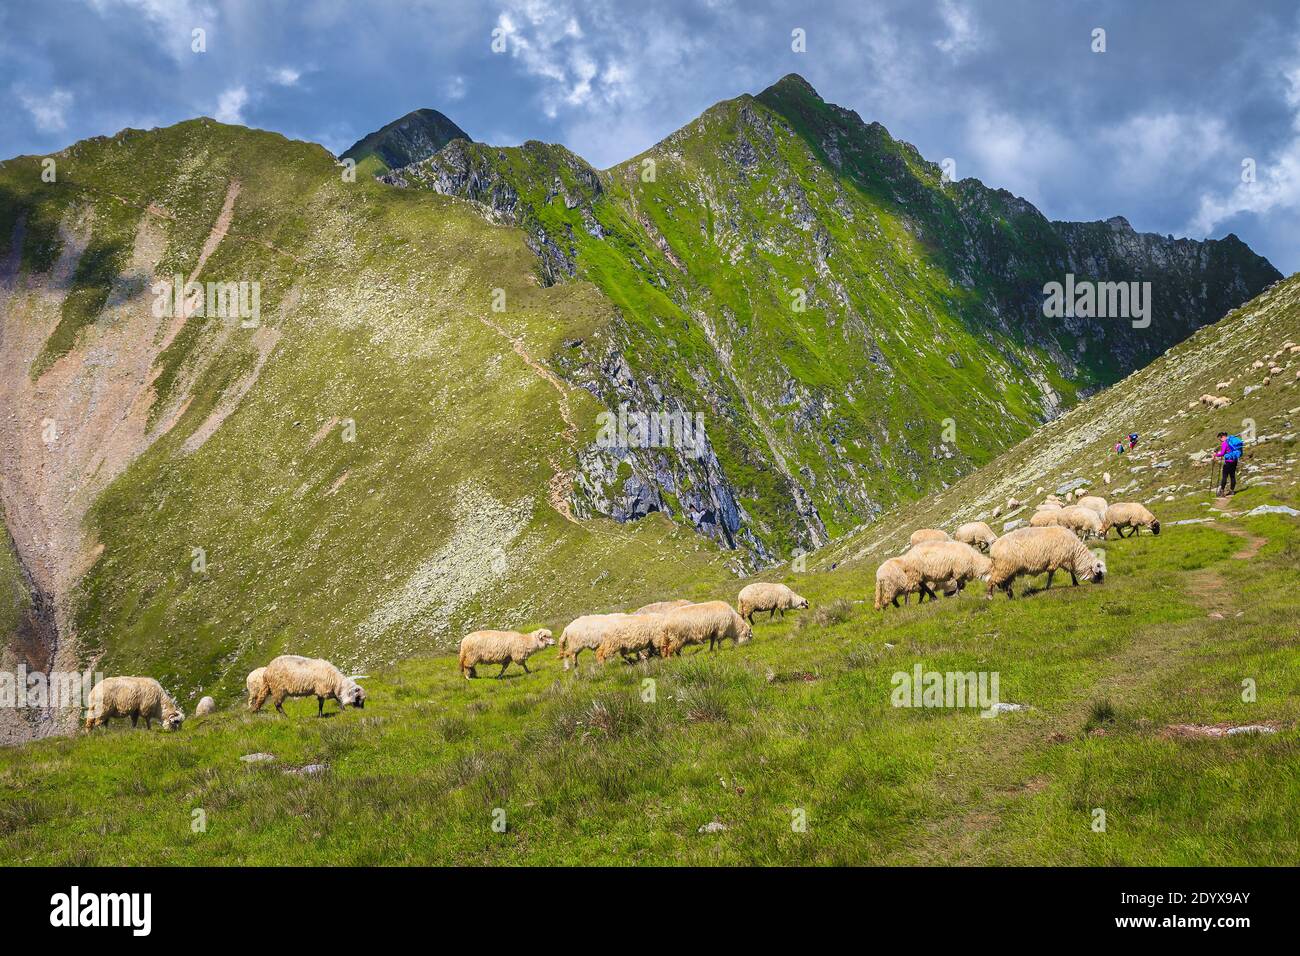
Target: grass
(623,764)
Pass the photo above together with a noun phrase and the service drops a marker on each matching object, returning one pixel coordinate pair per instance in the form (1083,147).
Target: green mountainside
(407,444)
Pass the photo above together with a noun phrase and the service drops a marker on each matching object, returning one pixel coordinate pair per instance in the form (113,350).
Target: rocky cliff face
(416,136)
(854,328)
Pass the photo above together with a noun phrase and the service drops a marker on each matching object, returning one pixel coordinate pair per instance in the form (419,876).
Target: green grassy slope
(798,724)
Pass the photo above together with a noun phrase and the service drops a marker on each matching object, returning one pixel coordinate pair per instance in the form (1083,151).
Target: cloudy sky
(1188,96)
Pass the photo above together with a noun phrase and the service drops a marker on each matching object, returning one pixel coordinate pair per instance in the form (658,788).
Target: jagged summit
(413,137)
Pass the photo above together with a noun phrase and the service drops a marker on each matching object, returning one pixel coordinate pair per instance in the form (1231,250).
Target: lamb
(1095,502)
(977,534)
(585,633)
(1085,522)
(1035,550)
(501,647)
(292,676)
(632,637)
(895,578)
(254,682)
(1128,514)
(662,607)
(712,621)
(133,697)
(922,535)
(949,564)
(762,596)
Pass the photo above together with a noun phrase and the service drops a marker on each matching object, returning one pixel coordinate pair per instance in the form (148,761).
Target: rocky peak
(414,137)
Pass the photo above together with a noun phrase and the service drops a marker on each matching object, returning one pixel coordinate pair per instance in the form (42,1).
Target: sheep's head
(173,717)
(543,638)
(745,633)
(352,694)
(1090,565)
(800,603)
(1155,527)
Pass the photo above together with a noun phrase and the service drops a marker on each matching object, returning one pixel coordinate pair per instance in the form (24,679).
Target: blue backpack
(1234,449)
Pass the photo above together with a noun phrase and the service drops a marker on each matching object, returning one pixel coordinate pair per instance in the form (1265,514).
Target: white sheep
(977,534)
(712,621)
(1095,502)
(637,635)
(922,535)
(1128,514)
(501,647)
(292,676)
(1085,522)
(133,697)
(947,564)
(206,706)
(895,578)
(585,633)
(662,607)
(770,597)
(1038,550)
(255,680)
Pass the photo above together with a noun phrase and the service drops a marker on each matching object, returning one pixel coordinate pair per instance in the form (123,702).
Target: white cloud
(286,76)
(1277,178)
(1018,154)
(230,106)
(455,88)
(1153,148)
(173,21)
(962,37)
(48,111)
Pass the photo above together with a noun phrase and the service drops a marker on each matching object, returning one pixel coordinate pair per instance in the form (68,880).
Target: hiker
(1132,440)
(1119,448)
(1229,453)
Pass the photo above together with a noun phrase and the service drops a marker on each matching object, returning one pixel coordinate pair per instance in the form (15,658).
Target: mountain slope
(790,749)
(854,329)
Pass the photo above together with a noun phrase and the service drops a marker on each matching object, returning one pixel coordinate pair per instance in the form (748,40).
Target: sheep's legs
(135,720)
(148,723)
(502,673)
(1074,579)
(320,706)
(524,665)
(1050,574)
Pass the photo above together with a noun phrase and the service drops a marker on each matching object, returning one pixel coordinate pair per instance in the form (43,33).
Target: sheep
(631,637)
(1128,514)
(1045,518)
(1085,522)
(1095,502)
(1223,385)
(133,697)
(712,621)
(895,578)
(1049,506)
(256,678)
(662,607)
(1035,550)
(501,647)
(292,676)
(922,535)
(585,633)
(977,534)
(206,706)
(1221,401)
(949,564)
(762,596)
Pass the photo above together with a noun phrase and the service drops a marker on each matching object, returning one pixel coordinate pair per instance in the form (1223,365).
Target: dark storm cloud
(1156,128)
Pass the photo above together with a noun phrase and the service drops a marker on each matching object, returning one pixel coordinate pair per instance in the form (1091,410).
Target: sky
(1186,123)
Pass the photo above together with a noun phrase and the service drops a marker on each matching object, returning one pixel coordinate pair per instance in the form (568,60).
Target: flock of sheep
(935,561)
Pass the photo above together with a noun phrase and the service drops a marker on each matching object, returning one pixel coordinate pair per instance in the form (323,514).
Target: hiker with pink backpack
(1230,448)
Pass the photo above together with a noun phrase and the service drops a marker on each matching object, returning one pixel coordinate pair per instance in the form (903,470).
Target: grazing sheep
(1223,385)
(585,633)
(1095,502)
(922,535)
(292,676)
(949,564)
(1050,506)
(133,697)
(895,578)
(762,596)
(1045,518)
(632,637)
(1085,522)
(712,621)
(977,534)
(501,647)
(662,607)
(206,706)
(1221,401)
(1128,514)
(256,678)
(1035,550)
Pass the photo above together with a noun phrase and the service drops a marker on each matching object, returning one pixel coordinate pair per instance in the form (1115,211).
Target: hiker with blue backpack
(1229,453)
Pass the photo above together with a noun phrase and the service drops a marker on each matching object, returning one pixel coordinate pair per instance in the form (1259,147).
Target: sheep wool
(977,534)
(501,647)
(254,682)
(133,697)
(637,634)
(949,564)
(1039,550)
(712,621)
(585,633)
(922,535)
(1085,522)
(662,607)
(1128,514)
(761,596)
(292,676)
(1095,502)
(894,579)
